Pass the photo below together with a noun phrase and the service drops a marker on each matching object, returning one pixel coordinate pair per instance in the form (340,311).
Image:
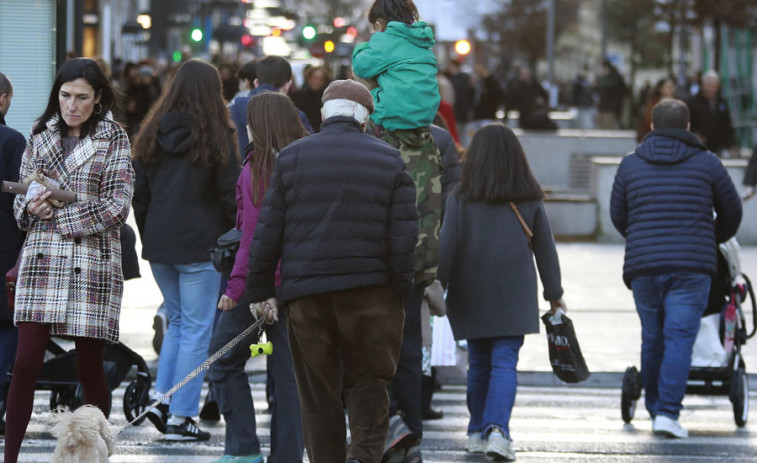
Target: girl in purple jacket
(272,124)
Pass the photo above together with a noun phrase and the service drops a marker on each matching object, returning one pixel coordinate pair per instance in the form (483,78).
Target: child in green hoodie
(399,65)
(399,58)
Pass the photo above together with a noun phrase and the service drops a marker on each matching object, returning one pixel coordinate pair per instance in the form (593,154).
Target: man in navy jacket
(340,215)
(274,74)
(662,203)
(12,146)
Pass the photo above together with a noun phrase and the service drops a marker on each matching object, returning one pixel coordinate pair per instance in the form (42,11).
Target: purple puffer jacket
(247,218)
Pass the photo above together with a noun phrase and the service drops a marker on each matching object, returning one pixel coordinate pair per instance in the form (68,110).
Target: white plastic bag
(708,351)
(443,346)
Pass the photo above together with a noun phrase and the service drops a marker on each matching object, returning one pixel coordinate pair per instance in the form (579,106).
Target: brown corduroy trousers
(345,343)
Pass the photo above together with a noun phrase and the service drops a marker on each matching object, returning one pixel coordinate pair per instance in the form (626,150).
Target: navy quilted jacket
(662,203)
(340,213)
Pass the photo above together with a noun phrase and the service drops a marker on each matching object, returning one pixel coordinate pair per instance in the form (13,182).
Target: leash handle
(204,366)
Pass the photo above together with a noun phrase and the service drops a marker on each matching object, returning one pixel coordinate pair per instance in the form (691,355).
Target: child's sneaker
(186,431)
(498,448)
(475,443)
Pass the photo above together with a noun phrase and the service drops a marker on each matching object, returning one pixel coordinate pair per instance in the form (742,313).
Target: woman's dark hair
(495,168)
(274,123)
(194,89)
(657,91)
(403,11)
(78,68)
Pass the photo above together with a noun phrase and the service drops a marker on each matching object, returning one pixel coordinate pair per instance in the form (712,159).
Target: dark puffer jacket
(662,203)
(181,207)
(340,213)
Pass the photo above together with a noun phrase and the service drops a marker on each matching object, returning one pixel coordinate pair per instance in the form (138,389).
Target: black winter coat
(662,203)
(181,208)
(12,145)
(340,213)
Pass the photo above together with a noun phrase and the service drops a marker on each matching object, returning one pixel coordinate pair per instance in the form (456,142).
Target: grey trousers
(232,389)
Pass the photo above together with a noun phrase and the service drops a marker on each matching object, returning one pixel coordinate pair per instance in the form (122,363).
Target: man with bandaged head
(340,214)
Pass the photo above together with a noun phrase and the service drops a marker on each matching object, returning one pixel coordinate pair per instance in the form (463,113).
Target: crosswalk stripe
(546,422)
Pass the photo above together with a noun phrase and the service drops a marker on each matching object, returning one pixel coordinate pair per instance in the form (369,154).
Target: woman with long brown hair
(186,163)
(272,123)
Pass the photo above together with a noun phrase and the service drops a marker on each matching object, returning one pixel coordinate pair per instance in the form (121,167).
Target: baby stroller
(733,289)
(59,377)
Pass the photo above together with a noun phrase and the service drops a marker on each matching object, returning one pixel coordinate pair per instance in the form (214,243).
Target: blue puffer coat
(662,203)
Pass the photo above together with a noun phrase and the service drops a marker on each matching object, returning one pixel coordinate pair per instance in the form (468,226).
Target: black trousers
(405,388)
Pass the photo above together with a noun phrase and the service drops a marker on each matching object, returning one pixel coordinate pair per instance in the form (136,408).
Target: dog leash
(204,366)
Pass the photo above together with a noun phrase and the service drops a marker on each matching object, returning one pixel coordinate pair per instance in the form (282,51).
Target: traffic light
(309,32)
(196,34)
(329,46)
(462,47)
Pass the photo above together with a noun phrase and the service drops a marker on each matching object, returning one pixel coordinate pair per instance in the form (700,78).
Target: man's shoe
(158,416)
(257,458)
(475,443)
(398,430)
(431,414)
(666,426)
(187,431)
(498,448)
(160,325)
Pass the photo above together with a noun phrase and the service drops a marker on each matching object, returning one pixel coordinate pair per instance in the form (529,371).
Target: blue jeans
(670,307)
(492,382)
(190,295)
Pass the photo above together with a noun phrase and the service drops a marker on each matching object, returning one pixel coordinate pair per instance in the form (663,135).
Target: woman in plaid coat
(70,281)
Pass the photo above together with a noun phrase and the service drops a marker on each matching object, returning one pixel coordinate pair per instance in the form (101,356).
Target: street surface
(549,424)
(551,421)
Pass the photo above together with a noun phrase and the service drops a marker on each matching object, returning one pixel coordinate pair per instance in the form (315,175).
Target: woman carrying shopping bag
(487,264)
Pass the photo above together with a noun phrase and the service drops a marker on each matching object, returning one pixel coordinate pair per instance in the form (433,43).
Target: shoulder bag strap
(526,230)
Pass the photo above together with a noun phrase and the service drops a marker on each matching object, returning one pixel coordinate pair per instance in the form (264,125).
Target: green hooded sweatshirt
(402,62)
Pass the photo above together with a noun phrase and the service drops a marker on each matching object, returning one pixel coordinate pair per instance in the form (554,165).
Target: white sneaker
(475,443)
(666,426)
(498,448)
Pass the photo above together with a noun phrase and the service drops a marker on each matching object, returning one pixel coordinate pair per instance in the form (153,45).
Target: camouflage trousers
(423,162)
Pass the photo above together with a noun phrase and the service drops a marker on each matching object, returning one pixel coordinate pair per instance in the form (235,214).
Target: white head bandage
(346,108)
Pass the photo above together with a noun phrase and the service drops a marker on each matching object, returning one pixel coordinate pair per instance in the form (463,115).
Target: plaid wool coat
(70,275)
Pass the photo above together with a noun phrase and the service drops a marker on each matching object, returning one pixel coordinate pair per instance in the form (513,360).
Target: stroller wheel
(135,401)
(740,396)
(630,393)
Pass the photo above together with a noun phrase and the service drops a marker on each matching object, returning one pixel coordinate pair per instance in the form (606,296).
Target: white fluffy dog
(84,436)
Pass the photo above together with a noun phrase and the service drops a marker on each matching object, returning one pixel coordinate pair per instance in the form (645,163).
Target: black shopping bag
(564,353)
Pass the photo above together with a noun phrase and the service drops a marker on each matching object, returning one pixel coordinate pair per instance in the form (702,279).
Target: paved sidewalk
(599,304)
